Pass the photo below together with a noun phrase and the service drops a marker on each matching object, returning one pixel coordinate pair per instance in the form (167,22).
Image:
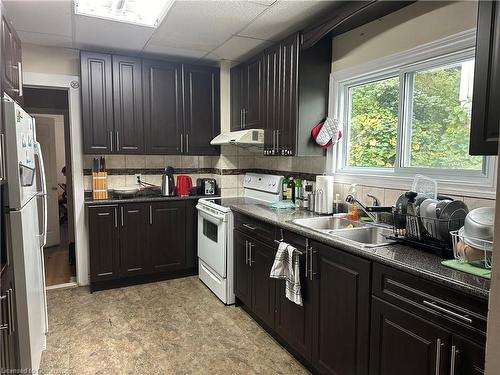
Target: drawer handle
(248,226)
(435,306)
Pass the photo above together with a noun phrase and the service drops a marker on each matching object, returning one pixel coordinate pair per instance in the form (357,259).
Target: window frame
(449,50)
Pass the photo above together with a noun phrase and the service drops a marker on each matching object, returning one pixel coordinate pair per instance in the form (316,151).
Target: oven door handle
(214,217)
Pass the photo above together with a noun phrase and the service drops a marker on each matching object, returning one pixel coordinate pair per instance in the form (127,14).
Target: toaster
(206,186)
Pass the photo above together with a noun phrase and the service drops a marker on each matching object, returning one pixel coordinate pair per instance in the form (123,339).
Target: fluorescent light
(140,12)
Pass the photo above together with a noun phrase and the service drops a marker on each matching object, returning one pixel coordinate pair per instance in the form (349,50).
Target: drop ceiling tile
(204,25)
(51,40)
(285,17)
(170,51)
(96,32)
(238,48)
(48,16)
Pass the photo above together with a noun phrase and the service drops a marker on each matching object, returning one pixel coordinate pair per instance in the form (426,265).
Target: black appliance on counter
(206,186)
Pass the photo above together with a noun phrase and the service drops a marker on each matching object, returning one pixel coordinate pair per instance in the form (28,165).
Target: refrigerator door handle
(42,193)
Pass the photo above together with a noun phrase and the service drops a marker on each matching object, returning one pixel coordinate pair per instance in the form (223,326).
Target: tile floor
(170,327)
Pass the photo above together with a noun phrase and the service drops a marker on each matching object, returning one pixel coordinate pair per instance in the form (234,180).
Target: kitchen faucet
(372,211)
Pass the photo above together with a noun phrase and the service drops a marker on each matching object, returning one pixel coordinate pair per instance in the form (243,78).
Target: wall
(407,28)
(50,60)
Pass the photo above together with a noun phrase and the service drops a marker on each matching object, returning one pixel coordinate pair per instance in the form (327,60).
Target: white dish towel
(286,266)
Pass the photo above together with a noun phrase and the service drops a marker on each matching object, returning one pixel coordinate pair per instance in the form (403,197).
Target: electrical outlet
(137,179)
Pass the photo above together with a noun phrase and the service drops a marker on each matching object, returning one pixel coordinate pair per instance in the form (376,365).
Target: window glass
(440,105)
(373,124)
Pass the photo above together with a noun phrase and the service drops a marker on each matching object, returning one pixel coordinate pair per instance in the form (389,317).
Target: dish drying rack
(430,234)
(482,250)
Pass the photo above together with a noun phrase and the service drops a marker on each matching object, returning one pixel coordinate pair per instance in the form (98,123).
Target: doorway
(49,108)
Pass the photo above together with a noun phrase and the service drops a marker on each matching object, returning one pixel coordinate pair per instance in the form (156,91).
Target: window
(410,113)
(373,123)
(439,108)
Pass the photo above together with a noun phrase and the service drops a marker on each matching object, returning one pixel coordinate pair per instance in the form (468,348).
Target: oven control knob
(248,179)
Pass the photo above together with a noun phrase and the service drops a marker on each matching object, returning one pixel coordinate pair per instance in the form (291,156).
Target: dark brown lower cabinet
(242,275)
(8,332)
(261,259)
(403,343)
(467,357)
(294,323)
(104,243)
(358,317)
(342,311)
(133,239)
(167,236)
(140,242)
(253,286)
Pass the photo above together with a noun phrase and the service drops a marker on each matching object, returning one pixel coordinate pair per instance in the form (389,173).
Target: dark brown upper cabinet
(485,120)
(201,110)
(127,96)
(285,92)
(97,103)
(139,106)
(246,101)
(271,97)
(163,122)
(12,61)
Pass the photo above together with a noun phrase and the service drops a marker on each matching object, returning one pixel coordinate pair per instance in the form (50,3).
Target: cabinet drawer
(256,229)
(457,311)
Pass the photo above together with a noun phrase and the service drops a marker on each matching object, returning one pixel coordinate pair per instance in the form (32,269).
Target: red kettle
(184,186)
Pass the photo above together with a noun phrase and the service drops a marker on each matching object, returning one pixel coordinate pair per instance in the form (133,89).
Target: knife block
(99,185)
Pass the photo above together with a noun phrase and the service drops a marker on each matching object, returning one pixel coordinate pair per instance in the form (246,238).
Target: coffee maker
(168,183)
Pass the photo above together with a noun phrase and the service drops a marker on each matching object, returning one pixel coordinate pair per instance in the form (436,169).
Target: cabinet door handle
(250,261)
(244,118)
(307,257)
(438,356)
(2,156)
(277,141)
(248,226)
(454,353)
(111,140)
(241,118)
(187,143)
(274,141)
(121,211)
(117,142)
(10,306)
(116,217)
(182,143)
(150,215)
(246,252)
(433,305)
(20,75)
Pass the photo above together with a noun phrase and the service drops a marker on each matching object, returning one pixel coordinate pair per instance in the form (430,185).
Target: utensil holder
(99,185)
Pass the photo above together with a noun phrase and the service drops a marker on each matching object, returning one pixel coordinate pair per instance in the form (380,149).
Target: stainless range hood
(249,137)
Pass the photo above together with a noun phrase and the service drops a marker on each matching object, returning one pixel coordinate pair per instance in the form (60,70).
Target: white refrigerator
(26,231)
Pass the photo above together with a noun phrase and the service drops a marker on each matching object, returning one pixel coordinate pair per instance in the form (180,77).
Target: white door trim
(72,84)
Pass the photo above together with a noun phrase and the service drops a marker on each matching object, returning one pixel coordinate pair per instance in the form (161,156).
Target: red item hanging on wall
(316,130)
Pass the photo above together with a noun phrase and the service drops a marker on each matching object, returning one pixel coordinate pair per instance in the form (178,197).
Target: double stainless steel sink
(363,235)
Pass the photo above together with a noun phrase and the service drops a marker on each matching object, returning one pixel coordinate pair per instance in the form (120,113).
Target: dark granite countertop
(417,262)
(141,199)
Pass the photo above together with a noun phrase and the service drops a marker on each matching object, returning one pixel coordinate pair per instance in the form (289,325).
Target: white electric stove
(215,232)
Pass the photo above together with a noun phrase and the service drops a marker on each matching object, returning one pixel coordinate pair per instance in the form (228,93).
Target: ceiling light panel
(146,13)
